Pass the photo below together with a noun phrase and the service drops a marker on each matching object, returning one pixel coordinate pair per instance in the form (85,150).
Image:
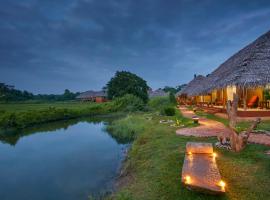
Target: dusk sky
(48,46)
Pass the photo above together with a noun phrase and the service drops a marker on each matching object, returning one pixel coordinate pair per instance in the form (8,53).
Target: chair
(253,102)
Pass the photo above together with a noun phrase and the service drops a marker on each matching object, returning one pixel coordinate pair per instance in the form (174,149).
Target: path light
(195,119)
(222,184)
(214,155)
(187,180)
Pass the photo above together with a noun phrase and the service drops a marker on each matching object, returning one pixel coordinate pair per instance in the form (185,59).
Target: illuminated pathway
(211,128)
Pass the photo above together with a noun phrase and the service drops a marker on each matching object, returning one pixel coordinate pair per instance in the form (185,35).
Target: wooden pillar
(245,98)
(223,98)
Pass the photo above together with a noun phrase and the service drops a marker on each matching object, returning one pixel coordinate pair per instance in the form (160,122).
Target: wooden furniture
(253,102)
(264,104)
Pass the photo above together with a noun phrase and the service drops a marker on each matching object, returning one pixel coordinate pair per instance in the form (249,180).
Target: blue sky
(48,46)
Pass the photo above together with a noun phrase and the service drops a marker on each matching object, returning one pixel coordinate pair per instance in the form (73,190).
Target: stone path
(211,128)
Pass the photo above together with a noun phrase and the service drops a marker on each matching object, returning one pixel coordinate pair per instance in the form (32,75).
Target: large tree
(127,83)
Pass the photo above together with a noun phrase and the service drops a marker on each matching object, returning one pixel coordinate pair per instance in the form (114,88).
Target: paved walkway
(211,128)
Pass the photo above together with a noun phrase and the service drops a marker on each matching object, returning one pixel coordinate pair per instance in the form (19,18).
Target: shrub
(172,98)
(158,103)
(128,102)
(169,111)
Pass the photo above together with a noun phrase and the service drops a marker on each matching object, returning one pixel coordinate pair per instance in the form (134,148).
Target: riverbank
(154,163)
(19,116)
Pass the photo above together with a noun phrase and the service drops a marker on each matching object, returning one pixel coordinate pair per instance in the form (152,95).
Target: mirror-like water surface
(68,163)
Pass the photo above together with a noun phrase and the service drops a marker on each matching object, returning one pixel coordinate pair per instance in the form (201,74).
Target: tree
(169,89)
(127,83)
(172,98)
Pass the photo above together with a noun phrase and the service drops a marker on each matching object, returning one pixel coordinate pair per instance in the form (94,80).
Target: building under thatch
(250,67)
(195,90)
(95,96)
(157,93)
(247,73)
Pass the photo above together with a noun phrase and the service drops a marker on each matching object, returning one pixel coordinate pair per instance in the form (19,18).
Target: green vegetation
(169,111)
(127,129)
(127,83)
(10,94)
(154,164)
(29,115)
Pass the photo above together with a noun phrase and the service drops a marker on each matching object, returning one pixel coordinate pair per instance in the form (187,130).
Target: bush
(128,103)
(172,98)
(157,103)
(169,111)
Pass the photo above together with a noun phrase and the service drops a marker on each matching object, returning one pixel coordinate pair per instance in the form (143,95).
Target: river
(65,160)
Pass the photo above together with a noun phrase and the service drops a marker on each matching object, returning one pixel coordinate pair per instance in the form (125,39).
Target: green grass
(22,115)
(155,162)
(21,107)
(264,125)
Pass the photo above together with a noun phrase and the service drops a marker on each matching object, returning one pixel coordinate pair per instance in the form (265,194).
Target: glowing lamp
(222,184)
(189,153)
(214,155)
(187,179)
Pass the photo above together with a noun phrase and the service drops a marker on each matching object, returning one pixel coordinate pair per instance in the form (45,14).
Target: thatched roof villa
(95,96)
(246,73)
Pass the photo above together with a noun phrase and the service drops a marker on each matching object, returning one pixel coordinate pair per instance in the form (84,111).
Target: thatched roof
(91,94)
(194,87)
(250,67)
(157,93)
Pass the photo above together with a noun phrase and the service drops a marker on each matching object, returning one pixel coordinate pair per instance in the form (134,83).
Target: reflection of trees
(12,136)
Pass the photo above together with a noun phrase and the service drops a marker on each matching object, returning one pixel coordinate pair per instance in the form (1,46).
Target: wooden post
(238,141)
(245,99)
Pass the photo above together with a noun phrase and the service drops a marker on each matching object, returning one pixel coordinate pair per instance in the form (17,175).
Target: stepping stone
(200,171)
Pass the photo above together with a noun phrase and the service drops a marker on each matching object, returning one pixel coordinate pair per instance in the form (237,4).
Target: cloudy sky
(47,46)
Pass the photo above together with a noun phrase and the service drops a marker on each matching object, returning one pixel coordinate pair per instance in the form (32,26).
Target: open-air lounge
(247,74)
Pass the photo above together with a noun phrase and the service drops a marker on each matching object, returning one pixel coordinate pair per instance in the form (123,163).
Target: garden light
(187,179)
(214,155)
(222,184)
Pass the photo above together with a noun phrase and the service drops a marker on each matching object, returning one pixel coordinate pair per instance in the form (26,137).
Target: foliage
(128,103)
(266,94)
(127,83)
(126,130)
(23,115)
(174,90)
(168,111)
(172,98)
(157,103)
(8,93)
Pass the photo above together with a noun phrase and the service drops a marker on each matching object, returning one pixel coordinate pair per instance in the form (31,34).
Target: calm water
(68,163)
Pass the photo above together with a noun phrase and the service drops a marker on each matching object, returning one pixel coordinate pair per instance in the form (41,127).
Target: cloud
(79,44)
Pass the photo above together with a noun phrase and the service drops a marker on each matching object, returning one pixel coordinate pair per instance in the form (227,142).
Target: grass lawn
(264,125)
(19,107)
(155,162)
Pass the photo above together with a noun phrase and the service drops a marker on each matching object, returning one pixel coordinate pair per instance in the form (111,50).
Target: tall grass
(127,129)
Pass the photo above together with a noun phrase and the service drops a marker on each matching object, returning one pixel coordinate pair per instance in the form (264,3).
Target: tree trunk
(238,141)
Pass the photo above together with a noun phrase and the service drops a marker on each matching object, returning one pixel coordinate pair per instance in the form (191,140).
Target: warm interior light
(189,153)
(214,155)
(222,184)
(187,179)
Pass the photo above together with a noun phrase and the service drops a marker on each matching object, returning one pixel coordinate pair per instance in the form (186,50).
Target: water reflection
(12,136)
(62,160)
